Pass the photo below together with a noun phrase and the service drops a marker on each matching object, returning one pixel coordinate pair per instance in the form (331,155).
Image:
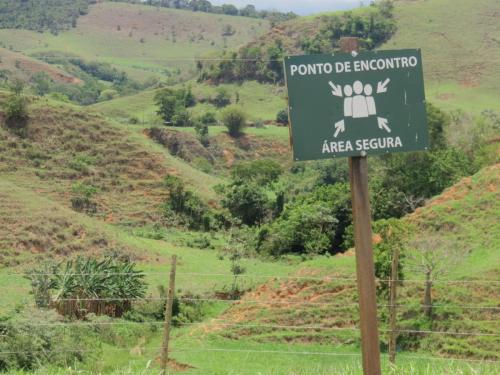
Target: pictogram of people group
(359,101)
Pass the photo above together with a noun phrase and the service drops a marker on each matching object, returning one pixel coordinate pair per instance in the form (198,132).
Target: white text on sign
(354,66)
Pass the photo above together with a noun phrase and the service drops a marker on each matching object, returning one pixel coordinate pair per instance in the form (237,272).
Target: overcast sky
(302,7)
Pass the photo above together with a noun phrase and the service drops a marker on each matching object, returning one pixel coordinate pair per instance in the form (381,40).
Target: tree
(247,202)
(166,100)
(172,106)
(229,9)
(185,206)
(234,118)
(393,234)
(41,81)
(433,256)
(314,223)
(249,11)
(16,109)
(201,130)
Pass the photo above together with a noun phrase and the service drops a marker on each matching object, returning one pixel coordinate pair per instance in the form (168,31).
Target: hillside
(17,65)
(266,276)
(254,96)
(141,40)
(468,212)
(68,149)
(460,42)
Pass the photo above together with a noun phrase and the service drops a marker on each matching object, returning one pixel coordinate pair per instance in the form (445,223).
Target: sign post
(353,105)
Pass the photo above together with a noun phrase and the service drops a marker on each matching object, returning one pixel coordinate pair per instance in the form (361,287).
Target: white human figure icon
(359,103)
(370,101)
(348,101)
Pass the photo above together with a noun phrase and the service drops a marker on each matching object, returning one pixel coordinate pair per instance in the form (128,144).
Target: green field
(141,40)
(460,43)
(260,102)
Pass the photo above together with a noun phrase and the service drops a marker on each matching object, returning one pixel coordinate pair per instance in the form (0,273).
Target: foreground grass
(222,357)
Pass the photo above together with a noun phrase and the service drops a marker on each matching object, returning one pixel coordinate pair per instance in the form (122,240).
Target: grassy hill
(466,212)
(143,41)
(66,147)
(460,42)
(253,96)
(22,67)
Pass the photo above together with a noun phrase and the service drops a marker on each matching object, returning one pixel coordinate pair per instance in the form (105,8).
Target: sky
(302,7)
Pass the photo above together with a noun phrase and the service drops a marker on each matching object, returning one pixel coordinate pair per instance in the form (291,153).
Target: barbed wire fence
(166,349)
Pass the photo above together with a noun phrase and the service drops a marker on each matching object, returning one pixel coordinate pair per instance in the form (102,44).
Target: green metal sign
(356,104)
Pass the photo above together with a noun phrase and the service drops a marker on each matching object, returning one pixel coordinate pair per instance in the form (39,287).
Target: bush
(302,228)
(208,118)
(34,338)
(234,118)
(222,99)
(247,202)
(184,207)
(81,201)
(262,172)
(89,285)
(313,223)
(282,117)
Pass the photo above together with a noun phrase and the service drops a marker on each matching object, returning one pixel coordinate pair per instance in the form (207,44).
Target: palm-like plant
(88,285)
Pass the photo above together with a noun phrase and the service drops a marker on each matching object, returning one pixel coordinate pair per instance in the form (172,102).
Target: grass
(460,46)
(140,39)
(224,357)
(255,99)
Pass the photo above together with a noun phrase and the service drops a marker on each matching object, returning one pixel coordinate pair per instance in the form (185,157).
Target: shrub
(222,99)
(247,202)
(34,338)
(208,118)
(202,133)
(89,285)
(184,206)
(313,223)
(282,117)
(234,118)
(81,200)
(262,172)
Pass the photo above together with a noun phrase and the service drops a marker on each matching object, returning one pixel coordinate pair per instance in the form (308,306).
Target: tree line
(42,15)
(227,9)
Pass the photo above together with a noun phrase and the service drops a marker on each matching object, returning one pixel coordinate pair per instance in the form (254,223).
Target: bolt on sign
(356,104)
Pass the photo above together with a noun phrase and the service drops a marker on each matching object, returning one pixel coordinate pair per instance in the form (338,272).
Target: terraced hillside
(319,303)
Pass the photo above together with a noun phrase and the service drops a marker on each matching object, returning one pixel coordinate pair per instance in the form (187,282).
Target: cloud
(298,6)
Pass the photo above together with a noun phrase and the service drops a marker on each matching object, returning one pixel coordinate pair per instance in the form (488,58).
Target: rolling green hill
(141,40)
(460,42)
(91,180)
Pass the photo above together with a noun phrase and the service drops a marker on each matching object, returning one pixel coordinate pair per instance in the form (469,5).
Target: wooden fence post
(168,316)
(392,306)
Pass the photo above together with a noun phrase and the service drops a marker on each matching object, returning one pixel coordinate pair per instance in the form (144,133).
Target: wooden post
(392,306)
(365,268)
(168,316)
